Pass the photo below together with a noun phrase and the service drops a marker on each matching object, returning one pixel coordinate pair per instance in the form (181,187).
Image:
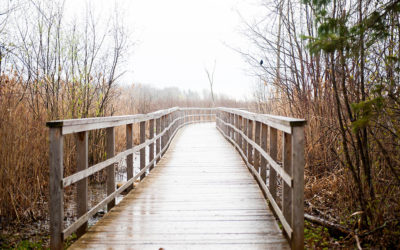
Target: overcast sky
(176,40)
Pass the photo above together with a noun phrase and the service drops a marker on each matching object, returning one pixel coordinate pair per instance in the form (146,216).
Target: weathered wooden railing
(162,125)
(256,138)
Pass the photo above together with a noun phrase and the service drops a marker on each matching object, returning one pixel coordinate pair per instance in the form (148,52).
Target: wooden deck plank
(199,196)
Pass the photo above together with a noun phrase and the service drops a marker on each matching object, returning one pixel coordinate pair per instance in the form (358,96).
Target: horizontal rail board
(78,125)
(279,122)
(67,181)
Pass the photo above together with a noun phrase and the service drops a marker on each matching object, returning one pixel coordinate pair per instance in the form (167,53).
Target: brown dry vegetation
(349,99)
(335,63)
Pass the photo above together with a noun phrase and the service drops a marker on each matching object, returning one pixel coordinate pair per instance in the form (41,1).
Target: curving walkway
(200,196)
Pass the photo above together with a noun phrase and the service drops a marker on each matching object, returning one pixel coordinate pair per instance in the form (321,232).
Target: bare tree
(210,76)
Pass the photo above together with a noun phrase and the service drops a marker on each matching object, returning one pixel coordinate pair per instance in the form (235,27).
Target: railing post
(298,187)
(287,167)
(164,135)
(129,158)
(151,149)
(110,152)
(240,127)
(56,191)
(158,130)
(226,119)
(143,150)
(232,122)
(264,139)
(244,142)
(257,135)
(273,150)
(169,129)
(249,146)
(82,185)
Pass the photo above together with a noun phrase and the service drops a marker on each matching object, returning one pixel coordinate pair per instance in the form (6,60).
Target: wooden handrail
(168,122)
(237,127)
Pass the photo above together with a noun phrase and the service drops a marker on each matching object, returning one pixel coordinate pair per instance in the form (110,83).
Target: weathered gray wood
(172,123)
(257,138)
(249,145)
(80,221)
(86,124)
(232,121)
(271,162)
(298,187)
(143,150)
(192,199)
(168,122)
(110,152)
(158,143)
(82,185)
(163,123)
(227,129)
(240,127)
(151,136)
(278,122)
(245,131)
(79,125)
(287,166)
(129,157)
(264,146)
(56,207)
(236,127)
(273,152)
(97,167)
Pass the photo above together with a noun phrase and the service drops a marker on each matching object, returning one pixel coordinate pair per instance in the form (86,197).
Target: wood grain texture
(200,196)
(82,157)
(55,189)
(151,146)
(129,145)
(142,128)
(110,151)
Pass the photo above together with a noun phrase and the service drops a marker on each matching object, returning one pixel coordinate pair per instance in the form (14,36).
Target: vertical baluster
(287,166)
(129,158)
(82,185)
(110,152)
(56,190)
(264,139)
(162,130)
(158,131)
(244,142)
(235,125)
(298,187)
(240,127)
(185,119)
(257,138)
(249,146)
(151,149)
(143,150)
(232,122)
(273,149)
(169,129)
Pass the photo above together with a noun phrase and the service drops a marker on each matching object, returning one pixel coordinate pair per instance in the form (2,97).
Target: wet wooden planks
(199,196)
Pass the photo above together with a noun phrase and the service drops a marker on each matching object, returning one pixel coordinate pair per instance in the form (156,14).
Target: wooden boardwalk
(200,196)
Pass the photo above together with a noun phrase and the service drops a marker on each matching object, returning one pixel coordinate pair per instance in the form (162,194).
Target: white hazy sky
(176,40)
